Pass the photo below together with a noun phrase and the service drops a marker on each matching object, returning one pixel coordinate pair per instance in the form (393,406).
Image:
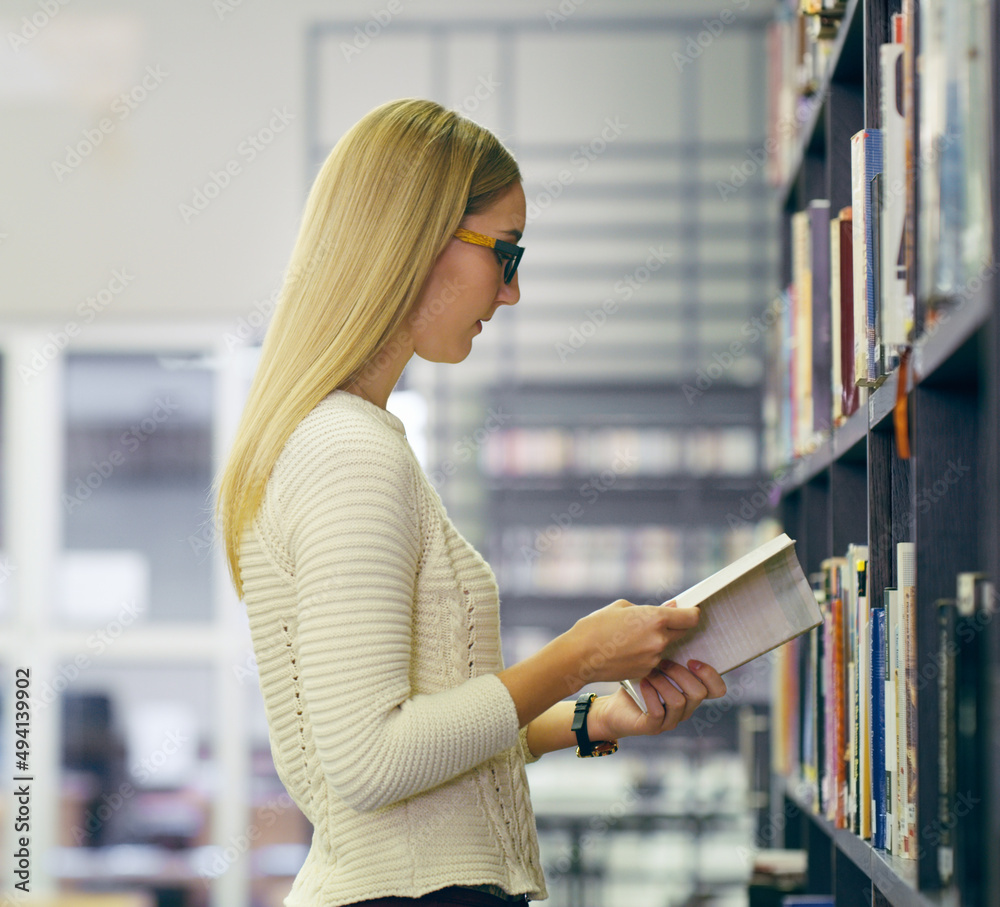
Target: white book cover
(896,322)
(860,255)
(749,607)
(892,791)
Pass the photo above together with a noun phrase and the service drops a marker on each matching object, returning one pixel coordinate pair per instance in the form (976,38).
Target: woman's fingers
(664,703)
(678,618)
(670,705)
(679,691)
(711,678)
(687,684)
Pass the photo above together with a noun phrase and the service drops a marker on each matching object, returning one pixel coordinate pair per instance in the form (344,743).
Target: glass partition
(136,491)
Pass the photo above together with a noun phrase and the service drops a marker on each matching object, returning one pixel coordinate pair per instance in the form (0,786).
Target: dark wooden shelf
(894,877)
(932,354)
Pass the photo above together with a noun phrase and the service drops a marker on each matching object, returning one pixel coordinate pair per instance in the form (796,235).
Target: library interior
(753,367)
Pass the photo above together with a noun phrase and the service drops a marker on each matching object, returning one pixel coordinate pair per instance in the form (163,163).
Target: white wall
(225,66)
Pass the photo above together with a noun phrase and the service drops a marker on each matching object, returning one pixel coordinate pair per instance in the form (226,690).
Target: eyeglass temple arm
(478,238)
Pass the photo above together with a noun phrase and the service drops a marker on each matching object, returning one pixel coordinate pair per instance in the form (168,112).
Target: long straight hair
(382,209)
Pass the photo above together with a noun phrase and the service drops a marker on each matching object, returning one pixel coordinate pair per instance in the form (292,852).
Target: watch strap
(586,746)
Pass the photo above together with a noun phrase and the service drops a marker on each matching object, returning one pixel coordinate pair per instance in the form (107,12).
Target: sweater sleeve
(348,508)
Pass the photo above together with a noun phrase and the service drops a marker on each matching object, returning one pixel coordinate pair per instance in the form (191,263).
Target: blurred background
(603,440)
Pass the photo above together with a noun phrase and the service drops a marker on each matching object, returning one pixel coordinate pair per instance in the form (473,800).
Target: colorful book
(891,739)
(855,628)
(819,250)
(860,350)
(866,163)
(835,704)
(858,555)
(845,391)
(802,373)
(879,674)
(907,697)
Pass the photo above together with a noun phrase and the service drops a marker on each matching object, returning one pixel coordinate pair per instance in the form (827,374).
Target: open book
(752,606)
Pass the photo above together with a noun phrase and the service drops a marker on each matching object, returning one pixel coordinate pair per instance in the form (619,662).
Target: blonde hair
(383,206)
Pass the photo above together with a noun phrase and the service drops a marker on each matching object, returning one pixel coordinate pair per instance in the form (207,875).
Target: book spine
(909,697)
(858,243)
(851,763)
(822,738)
(946,738)
(859,559)
(892,264)
(877,712)
(838,779)
(802,280)
(863,779)
(891,740)
(873,167)
(827,777)
(906,35)
(836,330)
(907,712)
(973,676)
(819,236)
(807,706)
(873,317)
(852,629)
(849,387)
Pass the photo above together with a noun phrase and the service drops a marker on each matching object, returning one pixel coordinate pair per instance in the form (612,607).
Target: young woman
(393,722)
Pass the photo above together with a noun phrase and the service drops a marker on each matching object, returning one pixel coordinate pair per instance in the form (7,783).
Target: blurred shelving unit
(599,491)
(679,834)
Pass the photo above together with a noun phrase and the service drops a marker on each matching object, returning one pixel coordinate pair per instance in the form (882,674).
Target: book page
(747,612)
(764,608)
(729,574)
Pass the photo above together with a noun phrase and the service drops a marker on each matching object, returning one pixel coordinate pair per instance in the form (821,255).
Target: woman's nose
(509,293)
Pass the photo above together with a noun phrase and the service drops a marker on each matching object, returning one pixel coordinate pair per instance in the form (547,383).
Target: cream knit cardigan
(377,635)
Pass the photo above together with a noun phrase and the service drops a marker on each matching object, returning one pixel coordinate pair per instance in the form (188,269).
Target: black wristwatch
(588,747)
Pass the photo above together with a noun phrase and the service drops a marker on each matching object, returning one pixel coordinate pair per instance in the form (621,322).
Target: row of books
(848,314)
(612,560)
(848,311)
(800,41)
(845,710)
(652,451)
(954,151)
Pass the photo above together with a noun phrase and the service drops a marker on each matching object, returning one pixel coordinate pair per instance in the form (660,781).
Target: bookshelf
(854,484)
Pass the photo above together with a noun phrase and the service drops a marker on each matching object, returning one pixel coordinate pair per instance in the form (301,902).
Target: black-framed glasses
(510,253)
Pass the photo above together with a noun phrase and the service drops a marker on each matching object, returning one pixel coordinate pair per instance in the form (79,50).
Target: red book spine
(849,394)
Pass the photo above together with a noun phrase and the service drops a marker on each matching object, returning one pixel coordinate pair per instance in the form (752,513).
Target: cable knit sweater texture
(377,635)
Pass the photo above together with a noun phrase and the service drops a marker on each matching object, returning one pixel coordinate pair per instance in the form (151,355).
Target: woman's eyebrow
(517,234)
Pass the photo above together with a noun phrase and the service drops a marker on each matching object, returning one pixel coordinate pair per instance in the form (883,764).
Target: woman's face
(466,286)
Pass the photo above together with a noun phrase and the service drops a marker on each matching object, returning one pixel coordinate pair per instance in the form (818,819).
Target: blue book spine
(878,662)
(873,165)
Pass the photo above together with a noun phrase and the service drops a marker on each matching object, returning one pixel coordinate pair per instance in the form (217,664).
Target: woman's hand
(622,640)
(617,642)
(616,716)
